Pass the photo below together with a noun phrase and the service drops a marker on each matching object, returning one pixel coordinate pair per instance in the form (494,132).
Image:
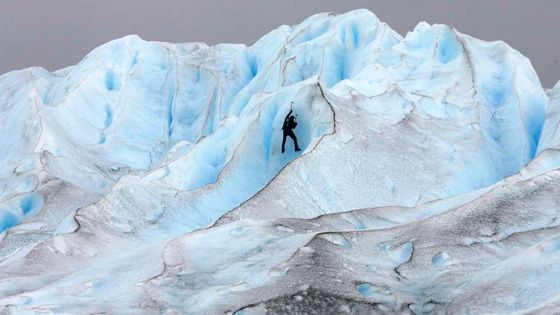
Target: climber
(287,128)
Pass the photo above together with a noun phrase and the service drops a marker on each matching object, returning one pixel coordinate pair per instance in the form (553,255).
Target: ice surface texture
(149,179)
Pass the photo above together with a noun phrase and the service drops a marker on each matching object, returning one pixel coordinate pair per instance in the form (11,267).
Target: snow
(148,178)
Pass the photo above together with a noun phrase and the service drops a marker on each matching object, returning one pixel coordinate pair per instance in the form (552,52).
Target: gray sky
(58,33)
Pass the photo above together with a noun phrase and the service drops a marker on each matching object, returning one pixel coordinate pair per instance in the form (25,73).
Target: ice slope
(169,109)
(384,260)
(547,158)
(454,120)
(19,134)
(148,178)
(500,251)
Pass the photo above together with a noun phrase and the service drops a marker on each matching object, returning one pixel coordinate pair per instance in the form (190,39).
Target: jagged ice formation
(148,178)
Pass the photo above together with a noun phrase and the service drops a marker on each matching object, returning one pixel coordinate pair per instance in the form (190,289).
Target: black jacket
(289,124)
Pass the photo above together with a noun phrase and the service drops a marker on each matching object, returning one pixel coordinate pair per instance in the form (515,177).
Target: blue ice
(365,289)
(448,46)
(7,220)
(30,203)
(110,80)
(440,259)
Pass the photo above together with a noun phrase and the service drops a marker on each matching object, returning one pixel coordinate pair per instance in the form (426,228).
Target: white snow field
(148,179)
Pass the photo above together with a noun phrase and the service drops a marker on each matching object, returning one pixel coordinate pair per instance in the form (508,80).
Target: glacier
(148,178)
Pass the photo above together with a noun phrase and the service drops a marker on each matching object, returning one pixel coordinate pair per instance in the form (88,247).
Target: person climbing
(288,129)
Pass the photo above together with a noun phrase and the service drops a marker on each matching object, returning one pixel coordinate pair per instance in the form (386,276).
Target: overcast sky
(58,33)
